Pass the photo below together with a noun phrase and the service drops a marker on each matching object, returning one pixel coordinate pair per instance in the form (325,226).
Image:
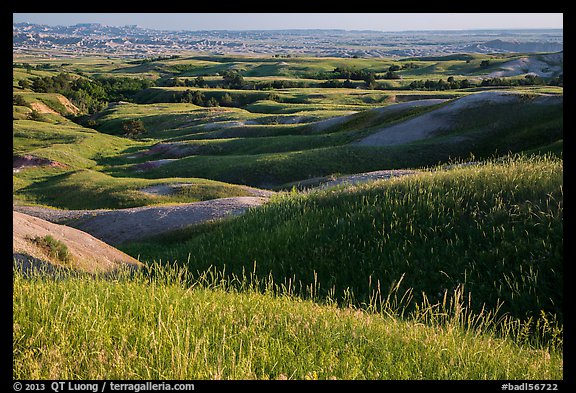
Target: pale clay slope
(88,253)
(428,124)
(390,109)
(543,66)
(117,226)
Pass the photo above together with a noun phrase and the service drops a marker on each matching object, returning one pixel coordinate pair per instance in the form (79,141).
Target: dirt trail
(117,226)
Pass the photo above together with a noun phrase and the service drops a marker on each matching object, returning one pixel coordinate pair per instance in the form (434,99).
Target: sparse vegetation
(55,249)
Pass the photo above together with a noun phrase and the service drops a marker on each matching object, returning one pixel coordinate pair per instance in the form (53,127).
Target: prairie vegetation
(452,272)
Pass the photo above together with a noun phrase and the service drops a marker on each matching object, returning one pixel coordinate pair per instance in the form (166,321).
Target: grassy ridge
(88,189)
(494,228)
(79,183)
(161,328)
(481,131)
(66,142)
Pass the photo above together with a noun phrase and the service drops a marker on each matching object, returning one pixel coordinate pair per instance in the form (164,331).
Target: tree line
(89,95)
(451,83)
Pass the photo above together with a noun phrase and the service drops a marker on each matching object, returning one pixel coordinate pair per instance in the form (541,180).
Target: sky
(278,21)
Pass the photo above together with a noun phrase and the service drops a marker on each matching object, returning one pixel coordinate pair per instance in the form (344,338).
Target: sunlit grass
(496,228)
(164,324)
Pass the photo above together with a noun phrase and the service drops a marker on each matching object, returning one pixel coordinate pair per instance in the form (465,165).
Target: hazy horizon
(392,22)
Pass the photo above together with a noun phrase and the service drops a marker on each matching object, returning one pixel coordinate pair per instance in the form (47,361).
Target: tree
(226,100)
(36,116)
(391,75)
(212,102)
(17,99)
(233,79)
(24,83)
(200,82)
(175,82)
(274,97)
(485,64)
(197,98)
(370,80)
(348,84)
(133,127)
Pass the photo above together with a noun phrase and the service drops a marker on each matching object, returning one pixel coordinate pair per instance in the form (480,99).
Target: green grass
(495,228)
(256,145)
(65,142)
(19,74)
(448,274)
(51,100)
(80,182)
(162,326)
(88,189)
(482,132)
(555,148)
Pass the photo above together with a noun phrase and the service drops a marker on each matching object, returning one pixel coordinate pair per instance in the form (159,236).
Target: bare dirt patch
(117,226)
(365,177)
(28,160)
(428,124)
(70,107)
(87,252)
(42,108)
(321,183)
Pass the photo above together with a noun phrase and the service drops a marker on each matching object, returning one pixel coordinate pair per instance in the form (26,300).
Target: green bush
(19,100)
(54,248)
(133,127)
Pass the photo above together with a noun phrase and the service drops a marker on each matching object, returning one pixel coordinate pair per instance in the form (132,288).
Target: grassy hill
(75,180)
(452,272)
(494,228)
(483,129)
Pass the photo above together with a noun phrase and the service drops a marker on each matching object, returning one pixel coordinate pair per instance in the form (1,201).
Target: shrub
(36,116)
(133,127)
(54,248)
(17,99)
